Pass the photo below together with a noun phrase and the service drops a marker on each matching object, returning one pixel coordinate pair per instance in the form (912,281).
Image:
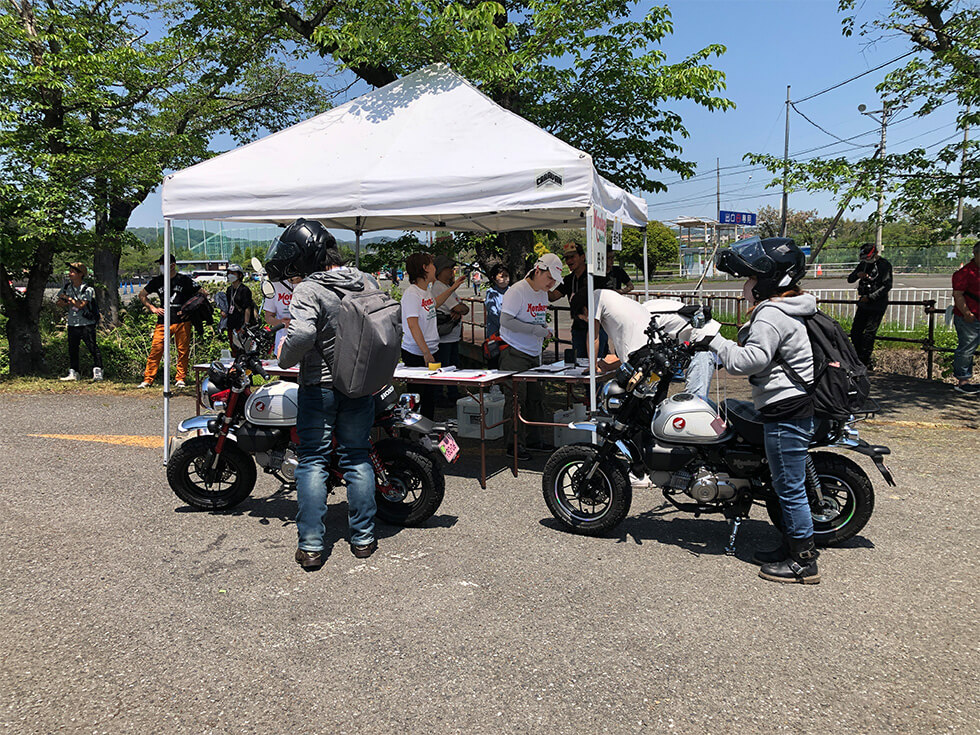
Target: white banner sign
(596,244)
(617,234)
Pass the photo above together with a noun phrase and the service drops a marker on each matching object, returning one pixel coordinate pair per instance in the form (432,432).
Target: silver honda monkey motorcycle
(213,458)
(704,459)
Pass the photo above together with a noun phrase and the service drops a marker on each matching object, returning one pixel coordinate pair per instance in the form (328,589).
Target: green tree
(800,224)
(94,107)
(662,247)
(584,71)
(945,68)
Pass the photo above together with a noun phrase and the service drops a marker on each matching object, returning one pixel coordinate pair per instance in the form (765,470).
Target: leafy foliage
(945,68)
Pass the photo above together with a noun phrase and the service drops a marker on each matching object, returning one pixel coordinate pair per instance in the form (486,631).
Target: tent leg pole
(646,268)
(167,234)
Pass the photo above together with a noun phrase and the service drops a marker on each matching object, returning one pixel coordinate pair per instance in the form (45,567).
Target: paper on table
(554,367)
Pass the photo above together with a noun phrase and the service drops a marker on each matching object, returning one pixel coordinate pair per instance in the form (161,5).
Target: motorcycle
(704,459)
(213,458)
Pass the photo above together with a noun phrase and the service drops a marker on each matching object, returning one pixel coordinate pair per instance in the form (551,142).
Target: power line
(822,129)
(856,76)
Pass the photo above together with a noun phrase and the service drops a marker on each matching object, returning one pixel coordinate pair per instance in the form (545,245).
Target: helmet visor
(744,258)
(279,258)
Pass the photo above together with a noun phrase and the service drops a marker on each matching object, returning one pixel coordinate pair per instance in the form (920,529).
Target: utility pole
(959,202)
(785,203)
(718,200)
(885,111)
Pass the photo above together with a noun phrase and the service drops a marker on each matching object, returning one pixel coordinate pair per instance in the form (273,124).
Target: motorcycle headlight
(611,397)
(218,375)
(208,391)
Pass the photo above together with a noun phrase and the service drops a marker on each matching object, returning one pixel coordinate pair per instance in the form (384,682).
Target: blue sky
(771,44)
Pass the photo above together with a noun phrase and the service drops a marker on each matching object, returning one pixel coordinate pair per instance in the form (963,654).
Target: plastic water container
(564,435)
(468,415)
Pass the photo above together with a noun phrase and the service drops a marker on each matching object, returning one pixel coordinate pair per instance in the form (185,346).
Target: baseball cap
(173,259)
(551,263)
(442,262)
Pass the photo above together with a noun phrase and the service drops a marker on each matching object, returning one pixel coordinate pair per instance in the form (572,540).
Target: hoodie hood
(803,305)
(349,279)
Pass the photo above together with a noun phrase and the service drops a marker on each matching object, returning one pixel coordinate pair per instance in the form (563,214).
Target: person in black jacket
(241,307)
(874,279)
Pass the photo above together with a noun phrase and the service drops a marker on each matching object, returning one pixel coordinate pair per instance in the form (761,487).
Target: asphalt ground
(125,612)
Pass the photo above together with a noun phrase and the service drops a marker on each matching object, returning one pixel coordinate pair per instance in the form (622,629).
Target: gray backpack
(368,341)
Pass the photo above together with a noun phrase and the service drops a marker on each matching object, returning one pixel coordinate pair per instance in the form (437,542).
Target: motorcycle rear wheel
(417,484)
(849,500)
(187,468)
(603,505)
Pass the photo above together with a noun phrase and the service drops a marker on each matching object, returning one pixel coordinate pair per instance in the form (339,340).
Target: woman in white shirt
(524,327)
(420,338)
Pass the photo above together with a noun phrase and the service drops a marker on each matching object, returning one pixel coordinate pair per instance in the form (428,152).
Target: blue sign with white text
(746,219)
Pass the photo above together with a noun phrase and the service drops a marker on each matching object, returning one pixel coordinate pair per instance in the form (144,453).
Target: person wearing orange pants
(181,334)
(182,289)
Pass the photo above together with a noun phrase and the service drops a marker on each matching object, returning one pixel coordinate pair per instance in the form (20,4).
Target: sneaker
(145,384)
(309,559)
(970,389)
(522,452)
(180,384)
(72,375)
(96,373)
(365,550)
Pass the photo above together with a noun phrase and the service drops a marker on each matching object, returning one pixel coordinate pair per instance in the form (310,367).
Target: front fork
(225,421)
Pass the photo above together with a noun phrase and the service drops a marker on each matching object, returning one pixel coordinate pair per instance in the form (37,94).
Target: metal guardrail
(734,304)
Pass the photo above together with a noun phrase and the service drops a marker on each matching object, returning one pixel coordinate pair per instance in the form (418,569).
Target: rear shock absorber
(815,489)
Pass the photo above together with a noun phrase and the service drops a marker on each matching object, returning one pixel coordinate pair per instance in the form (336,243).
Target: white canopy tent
(427,152)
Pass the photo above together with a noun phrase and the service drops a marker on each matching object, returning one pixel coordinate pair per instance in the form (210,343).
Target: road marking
(150,442)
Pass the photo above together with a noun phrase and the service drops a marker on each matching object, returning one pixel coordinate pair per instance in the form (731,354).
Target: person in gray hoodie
(773,337)
(305,248)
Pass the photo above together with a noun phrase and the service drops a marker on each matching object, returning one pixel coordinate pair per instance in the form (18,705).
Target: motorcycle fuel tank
(274,404)
(685,418)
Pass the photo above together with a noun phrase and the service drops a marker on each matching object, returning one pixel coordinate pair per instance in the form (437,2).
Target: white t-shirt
(527,305)
(457,334)
(279,305)
(626,320)
(422,305)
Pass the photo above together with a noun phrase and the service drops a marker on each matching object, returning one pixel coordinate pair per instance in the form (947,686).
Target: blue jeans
(322,413)
(580,343)
(786,443)
(699,373)
(968,336)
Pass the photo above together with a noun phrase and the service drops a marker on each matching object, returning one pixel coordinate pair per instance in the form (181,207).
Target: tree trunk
(517,245)
(24,312)
(110,230)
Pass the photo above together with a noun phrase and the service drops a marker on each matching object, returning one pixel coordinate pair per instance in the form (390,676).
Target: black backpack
(840,380)
(91,309)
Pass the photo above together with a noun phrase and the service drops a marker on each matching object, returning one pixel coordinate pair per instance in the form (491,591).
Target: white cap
(551,263)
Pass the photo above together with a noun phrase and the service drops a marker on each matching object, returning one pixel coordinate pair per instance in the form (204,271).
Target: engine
(282,462)
(706,486)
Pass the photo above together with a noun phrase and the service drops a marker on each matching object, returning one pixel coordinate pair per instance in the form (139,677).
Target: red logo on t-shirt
(427,303)
(285,297)
(535,309)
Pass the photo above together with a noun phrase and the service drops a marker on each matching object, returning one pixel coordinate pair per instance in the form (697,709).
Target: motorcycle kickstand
(734,523)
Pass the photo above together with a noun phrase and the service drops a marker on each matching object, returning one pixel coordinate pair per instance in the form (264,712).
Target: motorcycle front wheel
(848,500)
(416,485)
(591,507)
(188,473)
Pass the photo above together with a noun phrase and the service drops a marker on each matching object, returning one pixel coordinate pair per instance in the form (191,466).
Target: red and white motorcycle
(213,458)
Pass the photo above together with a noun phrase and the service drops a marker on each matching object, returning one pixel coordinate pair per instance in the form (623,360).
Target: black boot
(800,567)
(772,556)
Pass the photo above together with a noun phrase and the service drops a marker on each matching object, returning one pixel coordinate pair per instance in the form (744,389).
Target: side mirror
(268,290)
(257,266)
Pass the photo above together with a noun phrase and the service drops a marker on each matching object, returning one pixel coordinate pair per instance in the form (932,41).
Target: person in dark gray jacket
(775,336)
(305,248)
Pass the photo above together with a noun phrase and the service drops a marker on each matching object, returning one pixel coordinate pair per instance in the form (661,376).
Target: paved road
(122,612)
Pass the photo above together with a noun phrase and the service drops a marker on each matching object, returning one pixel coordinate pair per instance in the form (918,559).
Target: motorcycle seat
(747,422)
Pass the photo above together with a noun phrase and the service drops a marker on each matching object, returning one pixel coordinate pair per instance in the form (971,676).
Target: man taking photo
(874,279)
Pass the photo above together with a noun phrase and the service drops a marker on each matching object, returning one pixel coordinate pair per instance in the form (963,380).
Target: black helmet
(299,250)
(775,262)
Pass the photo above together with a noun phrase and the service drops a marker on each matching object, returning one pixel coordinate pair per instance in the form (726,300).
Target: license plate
(449,447)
